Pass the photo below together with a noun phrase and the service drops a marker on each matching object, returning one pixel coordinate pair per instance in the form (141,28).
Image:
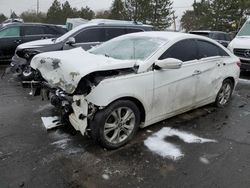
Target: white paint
(158,145)
(163,93)
(51,122)
(241,42)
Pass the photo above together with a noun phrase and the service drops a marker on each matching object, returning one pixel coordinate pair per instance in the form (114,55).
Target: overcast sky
(22,5)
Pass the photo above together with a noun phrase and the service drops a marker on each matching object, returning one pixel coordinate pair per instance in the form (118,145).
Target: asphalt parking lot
(30,156)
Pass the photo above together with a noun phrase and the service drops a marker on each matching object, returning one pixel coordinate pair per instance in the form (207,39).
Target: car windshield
(128,48)
(245,30)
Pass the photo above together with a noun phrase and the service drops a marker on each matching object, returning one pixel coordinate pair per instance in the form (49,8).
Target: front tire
(225,93)
(27,74)
(116,125)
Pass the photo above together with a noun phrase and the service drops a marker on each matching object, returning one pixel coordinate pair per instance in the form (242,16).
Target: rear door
(10,38)
(210,70)
(33,32)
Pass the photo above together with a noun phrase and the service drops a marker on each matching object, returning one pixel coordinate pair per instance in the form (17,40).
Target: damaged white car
(137,80)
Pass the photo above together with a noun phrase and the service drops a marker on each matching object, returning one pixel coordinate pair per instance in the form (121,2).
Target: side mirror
(169,63)
(71,41)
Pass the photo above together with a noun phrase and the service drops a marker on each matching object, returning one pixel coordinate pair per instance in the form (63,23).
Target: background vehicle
(71,23)
(86,36)
(221,37)
(14,34)
(240,46)
(137,80)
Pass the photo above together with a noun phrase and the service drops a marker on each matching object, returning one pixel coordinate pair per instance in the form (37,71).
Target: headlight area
(73,108)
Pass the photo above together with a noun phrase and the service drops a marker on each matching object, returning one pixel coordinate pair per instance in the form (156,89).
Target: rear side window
(208,49)
(185,50)
(50,30)
(90,35)
(114,32)
(33,30)
(134,30)
(10,32)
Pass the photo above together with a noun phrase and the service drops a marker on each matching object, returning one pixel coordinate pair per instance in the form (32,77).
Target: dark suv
(13,34)
(86,36)
(221,37)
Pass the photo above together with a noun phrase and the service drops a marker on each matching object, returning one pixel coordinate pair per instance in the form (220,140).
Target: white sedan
(137,80)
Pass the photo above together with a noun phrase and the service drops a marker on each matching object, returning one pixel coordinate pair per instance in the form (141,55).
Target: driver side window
(185,50)
(10,32)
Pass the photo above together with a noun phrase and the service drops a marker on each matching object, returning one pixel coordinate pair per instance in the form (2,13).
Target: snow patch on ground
(51,122)
(157,143)
(62,144)
(204,160)
(105,176)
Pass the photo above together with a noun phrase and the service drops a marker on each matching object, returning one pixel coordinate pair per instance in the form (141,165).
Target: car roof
(107,22)
(167,35)
(206,31)
(28,23)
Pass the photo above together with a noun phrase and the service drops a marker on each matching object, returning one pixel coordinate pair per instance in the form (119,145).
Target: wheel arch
(137,102)
(231,79)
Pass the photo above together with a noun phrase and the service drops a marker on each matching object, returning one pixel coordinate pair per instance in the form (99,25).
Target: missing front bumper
(79,117)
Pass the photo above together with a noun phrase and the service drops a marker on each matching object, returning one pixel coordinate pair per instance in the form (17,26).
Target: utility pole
(174,18)
(37,7)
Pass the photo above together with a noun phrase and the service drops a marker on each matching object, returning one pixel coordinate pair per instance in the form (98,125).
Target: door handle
(196,72)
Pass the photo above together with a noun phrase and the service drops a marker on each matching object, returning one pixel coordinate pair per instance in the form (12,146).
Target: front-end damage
(68,84)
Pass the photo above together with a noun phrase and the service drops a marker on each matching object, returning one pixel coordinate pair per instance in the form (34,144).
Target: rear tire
(115,125)
(225,93)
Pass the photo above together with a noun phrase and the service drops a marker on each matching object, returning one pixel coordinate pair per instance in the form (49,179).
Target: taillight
(238,63)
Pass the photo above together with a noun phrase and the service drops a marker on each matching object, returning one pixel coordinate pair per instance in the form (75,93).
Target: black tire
(27,74)
(218,102)
(99,122)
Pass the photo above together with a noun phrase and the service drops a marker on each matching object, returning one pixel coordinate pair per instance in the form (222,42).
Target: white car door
(175,89)
(210,70)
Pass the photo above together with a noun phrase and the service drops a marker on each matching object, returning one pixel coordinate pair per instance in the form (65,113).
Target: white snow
(157,143)
(51,122)
(204,160)
(105,176)
(62,144)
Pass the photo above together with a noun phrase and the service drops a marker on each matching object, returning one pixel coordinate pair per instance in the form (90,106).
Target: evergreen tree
(67,11)
(86,13)
(13,15)
(117,10)
(54,14)
(32,16)
(187,20)
(161,13)
(103,14)
(2,18)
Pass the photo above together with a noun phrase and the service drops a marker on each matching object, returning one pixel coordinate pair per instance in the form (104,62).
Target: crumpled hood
(65,69)
(241,42)
(36,44)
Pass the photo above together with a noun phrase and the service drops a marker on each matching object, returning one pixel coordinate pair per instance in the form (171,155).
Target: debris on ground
(51,122)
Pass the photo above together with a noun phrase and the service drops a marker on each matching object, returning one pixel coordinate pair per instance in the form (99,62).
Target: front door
(10,38)
(176,89)
(87,38)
